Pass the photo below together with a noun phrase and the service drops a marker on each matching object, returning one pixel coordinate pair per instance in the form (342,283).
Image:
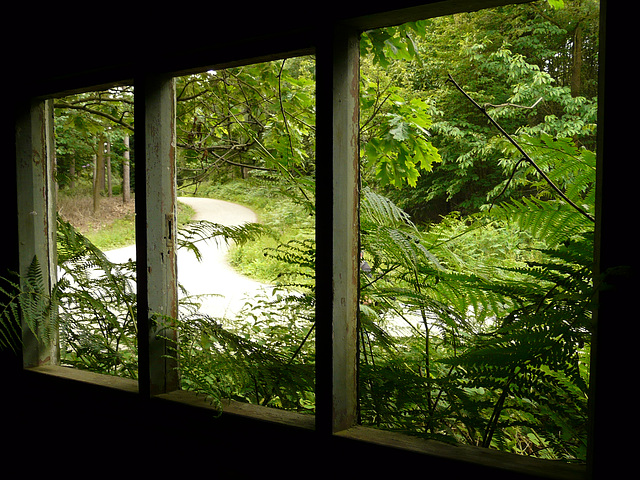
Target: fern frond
(548,221)
(38,305)
(10,334)
(203,231)
(298,259)
(220,364)
(390,236)
(380,210)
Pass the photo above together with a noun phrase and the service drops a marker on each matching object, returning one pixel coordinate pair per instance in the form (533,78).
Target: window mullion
(337,247)
(35,151)
(156,234)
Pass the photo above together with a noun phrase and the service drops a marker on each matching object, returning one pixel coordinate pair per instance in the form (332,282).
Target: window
(245,164)
(95,293)
(465,334)
(337,244)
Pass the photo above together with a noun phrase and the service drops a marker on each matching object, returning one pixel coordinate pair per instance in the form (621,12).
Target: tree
(93,122)
(515,55)
(256,117)
(99,172)
(497,304)
(126,171)
(473,328)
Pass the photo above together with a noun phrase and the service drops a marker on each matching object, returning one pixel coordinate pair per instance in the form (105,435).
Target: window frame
(337,57)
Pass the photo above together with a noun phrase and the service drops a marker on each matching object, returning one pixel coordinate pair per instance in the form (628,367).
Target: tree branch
(117,121)
(284,115)
(521,150)
(513,105)
(222,157)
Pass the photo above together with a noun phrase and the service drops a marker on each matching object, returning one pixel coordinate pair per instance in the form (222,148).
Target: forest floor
(78,211)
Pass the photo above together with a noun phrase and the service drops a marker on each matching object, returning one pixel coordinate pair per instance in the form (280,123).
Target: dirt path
(226,291)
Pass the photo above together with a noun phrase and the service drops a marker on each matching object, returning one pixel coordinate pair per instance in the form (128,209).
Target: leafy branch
(526,157)
(99,113)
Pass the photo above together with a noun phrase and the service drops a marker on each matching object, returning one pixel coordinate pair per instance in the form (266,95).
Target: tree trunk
(576,66)
(72,171)
(126,183)
(108,159)
(98,174)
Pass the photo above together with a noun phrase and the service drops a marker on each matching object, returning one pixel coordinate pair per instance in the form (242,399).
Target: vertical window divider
(155,235)
(337,218)
(36,192)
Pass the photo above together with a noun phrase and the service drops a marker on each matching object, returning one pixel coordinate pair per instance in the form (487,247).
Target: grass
(114,224)
(119,233)
(286,219)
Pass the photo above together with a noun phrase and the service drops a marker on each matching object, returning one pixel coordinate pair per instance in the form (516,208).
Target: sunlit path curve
(212,274)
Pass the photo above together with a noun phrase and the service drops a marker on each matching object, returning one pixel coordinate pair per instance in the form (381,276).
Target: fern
(549,221)
(222,364)
(10,335)
(498,351)
(98,307)
(99,318)
(28,301)
(380,210)
(203,231)
(534,344)
(389,236)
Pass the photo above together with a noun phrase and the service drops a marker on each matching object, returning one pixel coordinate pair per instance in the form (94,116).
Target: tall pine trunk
(108,165)
(98,174)
(126,182)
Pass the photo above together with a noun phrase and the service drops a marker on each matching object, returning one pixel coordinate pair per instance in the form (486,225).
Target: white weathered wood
(35,157)
(337,231)
(160,228)
(345,226)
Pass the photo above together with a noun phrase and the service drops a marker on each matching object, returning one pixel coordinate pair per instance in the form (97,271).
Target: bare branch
(513,105)
(521,150)
(223,158)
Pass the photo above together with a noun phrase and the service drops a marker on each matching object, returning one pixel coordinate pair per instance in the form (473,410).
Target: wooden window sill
(553,470)
(556,470)
(231,407)
(68,373)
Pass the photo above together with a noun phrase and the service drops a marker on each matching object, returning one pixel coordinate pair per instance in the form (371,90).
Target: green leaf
(400,129)
(556,4)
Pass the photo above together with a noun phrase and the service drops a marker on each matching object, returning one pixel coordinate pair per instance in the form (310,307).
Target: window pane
(96,234)
(476,274)
(245,173)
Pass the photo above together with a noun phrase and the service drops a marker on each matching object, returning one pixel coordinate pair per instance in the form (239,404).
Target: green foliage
(528,361)
(496,349)
(389,236)
(517,55)
(81,122)
(400,149)
(221,364)
(29,303)
(256,117)
(94,301)
(388,45)
(395,131)
(497,354)
(201,231)
(265,355)
(98,307)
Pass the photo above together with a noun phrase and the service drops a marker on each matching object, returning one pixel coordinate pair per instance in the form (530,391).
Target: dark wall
(77,429)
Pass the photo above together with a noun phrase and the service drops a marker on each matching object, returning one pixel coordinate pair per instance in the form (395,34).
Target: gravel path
(226,291)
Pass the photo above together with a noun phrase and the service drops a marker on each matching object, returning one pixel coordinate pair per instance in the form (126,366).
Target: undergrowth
(285,218)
